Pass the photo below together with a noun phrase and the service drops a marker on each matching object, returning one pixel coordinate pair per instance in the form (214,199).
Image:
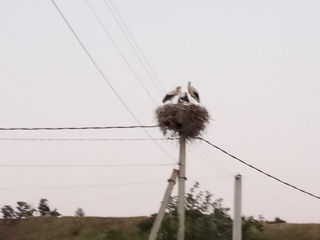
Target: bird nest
(179,119)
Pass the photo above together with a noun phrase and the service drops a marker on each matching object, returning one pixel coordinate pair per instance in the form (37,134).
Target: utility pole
(188,120)
(164,203)
(237,225)
(181,188)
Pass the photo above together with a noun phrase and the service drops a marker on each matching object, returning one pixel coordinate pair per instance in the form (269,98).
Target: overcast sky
(254,63)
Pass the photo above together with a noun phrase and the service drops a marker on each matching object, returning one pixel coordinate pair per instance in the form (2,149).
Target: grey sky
(255,64)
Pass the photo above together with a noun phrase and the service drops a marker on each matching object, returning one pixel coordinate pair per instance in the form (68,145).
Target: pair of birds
(183,97)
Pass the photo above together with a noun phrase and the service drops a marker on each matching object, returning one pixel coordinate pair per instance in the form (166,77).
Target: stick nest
(187,120)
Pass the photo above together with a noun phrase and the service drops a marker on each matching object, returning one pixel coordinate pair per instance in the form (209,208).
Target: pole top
(238,176)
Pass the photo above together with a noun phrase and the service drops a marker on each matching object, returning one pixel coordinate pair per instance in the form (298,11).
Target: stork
(193,92)
(170,95)
(183,98)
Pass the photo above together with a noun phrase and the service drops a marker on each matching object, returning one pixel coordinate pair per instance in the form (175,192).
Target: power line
(284,203)
(84,139)
(209,163)
(134,45)
(77,186)
(93,61)
(86,165)
(75,128)
(103,26)
(259,170)
(216,162)
(125,197)
(105,77)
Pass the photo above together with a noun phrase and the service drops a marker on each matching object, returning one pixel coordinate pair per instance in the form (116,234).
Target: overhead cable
(84,139)
(94,62)
(134,45)
(74,128)
(105,77)
(86,165)
(77,186)
(259,170)
(103,26)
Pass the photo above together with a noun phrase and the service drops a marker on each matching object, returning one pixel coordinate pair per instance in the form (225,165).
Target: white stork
(170,95)
(183,98)
(193,92)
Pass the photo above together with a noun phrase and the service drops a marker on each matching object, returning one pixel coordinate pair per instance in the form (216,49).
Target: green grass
(94,228)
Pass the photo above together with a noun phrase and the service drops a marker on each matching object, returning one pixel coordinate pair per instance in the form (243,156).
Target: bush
(113,234)
(205,219)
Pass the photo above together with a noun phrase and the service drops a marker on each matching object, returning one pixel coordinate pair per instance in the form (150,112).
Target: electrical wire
(134,45)
(86,165)
(74,128)
(218,166)
(286,204)
(103,26)
(78,186)
(105,77)
(209,163)
(122,197)
(259,170)
(84,139)
(93,61)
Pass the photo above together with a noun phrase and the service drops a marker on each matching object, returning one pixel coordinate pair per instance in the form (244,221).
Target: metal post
(164,203)
(237,225)
(181,188)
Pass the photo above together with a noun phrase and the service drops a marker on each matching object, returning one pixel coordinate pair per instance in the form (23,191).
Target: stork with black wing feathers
(193,92)
(170,95)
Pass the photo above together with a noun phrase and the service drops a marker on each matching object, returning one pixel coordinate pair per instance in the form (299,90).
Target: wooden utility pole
(237,225)
(181,188)
(164,203)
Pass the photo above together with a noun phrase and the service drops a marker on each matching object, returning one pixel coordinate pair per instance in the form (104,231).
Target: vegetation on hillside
(206,218)
(70,228)
(24,210)
(93,228)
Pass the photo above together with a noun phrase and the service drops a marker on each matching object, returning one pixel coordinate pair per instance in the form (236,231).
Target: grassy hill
(69,228)
(93,228)
(287,231)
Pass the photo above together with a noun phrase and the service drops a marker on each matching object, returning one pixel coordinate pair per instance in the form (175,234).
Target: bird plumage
(183,98)
(170,95)
(193,92)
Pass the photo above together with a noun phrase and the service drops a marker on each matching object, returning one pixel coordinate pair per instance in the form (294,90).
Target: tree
(55,213)
(206,219)
(45,210)
(8,212)
(79,213)
(24,210)
(276,220)
(252,228)
(279,220)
